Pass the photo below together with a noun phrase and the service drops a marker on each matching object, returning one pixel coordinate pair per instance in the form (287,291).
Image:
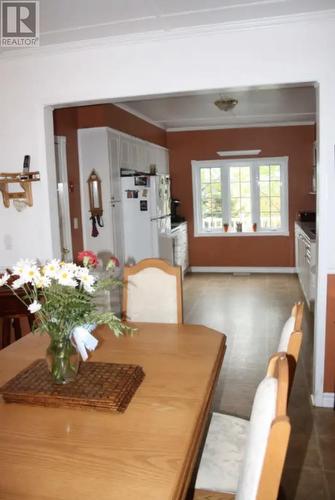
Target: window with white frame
(240,197)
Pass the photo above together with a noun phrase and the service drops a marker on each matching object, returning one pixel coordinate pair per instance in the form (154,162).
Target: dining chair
(251,471)
(152,292)
(291,339)
(291,334)
(12,315)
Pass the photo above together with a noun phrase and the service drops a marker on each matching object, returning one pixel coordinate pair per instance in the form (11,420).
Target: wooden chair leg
(6,324)
(31,319)
(17,328)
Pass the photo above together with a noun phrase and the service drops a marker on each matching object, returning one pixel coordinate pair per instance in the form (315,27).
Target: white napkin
(83,340)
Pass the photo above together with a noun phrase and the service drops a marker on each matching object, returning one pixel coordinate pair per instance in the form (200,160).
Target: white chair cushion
(288,328)
(152,296)
(262,415)
(223,454)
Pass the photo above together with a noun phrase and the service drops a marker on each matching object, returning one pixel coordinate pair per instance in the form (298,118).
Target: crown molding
(171,34)
(244,125)
(138,114)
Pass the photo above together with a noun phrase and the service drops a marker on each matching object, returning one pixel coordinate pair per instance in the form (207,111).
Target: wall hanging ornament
(95,198)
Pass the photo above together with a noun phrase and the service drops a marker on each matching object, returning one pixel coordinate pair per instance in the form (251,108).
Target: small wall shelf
(24,180)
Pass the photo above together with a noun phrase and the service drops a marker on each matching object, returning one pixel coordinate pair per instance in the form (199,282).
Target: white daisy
(85,277)
(51,268)
(70,266)
(22,265)
(31,274)
(18,283)
(34,307)
(88,288)
(66,278)
(4,279)
(43,282)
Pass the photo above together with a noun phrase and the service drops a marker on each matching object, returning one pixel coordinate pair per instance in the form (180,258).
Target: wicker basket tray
(103,386)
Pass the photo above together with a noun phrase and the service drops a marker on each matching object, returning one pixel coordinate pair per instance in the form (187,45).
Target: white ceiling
(264,106)
(73,20)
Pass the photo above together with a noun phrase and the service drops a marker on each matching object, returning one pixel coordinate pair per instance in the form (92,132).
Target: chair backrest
(268,436)
(291,335)
(153,292)
(291,339)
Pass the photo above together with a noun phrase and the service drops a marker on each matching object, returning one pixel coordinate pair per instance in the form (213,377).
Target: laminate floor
(251,311)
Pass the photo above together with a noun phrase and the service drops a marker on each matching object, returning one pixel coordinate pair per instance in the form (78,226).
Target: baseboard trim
(220,269)
(324,400)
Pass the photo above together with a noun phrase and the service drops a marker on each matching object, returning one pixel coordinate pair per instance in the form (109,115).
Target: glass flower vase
(63,360)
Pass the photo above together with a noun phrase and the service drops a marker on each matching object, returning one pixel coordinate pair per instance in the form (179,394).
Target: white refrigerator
(146,217)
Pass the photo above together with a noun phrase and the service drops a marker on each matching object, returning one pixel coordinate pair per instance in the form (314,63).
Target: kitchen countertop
(309,228)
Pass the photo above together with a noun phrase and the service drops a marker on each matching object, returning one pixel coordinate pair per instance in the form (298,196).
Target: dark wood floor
(251,310)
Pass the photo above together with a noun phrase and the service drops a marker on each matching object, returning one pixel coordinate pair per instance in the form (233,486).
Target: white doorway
(64,218)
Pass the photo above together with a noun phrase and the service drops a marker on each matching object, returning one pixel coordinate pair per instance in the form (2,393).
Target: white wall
(282,53)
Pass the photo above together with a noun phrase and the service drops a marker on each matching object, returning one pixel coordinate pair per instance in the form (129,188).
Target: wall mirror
(94,189)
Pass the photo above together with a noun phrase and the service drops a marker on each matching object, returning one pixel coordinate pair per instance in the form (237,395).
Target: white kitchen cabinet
(135,154)
(180,246)
(305,255)
(153,156)
(159,157)
(142,157)
(162,160)
(125,152)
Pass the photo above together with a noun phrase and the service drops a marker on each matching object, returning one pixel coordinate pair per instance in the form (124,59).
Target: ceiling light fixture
(226,104)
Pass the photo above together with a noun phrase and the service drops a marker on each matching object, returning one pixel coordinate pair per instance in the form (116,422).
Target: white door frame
(63,202)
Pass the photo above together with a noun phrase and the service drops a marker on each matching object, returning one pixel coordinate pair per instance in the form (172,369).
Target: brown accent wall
(66,123)
(294,142)
(329,373)
(109,115)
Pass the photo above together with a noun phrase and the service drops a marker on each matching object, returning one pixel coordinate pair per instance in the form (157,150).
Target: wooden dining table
(148,452)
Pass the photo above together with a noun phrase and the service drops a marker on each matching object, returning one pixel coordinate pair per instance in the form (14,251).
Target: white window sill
(242,234)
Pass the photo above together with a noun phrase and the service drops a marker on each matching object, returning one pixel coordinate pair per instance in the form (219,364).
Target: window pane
(206,190)
(275,221)
(240,197)
(275,172)
(270,196)
(245,189)
(265,221)
(245,174)
(245,205)
(264,173)
(205,175)
(264,204)
(235,190)
(275,188)
(234,174)
(235,207)
(275,204)
(216,174)
(216,188)
(264,189)
(211,198)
